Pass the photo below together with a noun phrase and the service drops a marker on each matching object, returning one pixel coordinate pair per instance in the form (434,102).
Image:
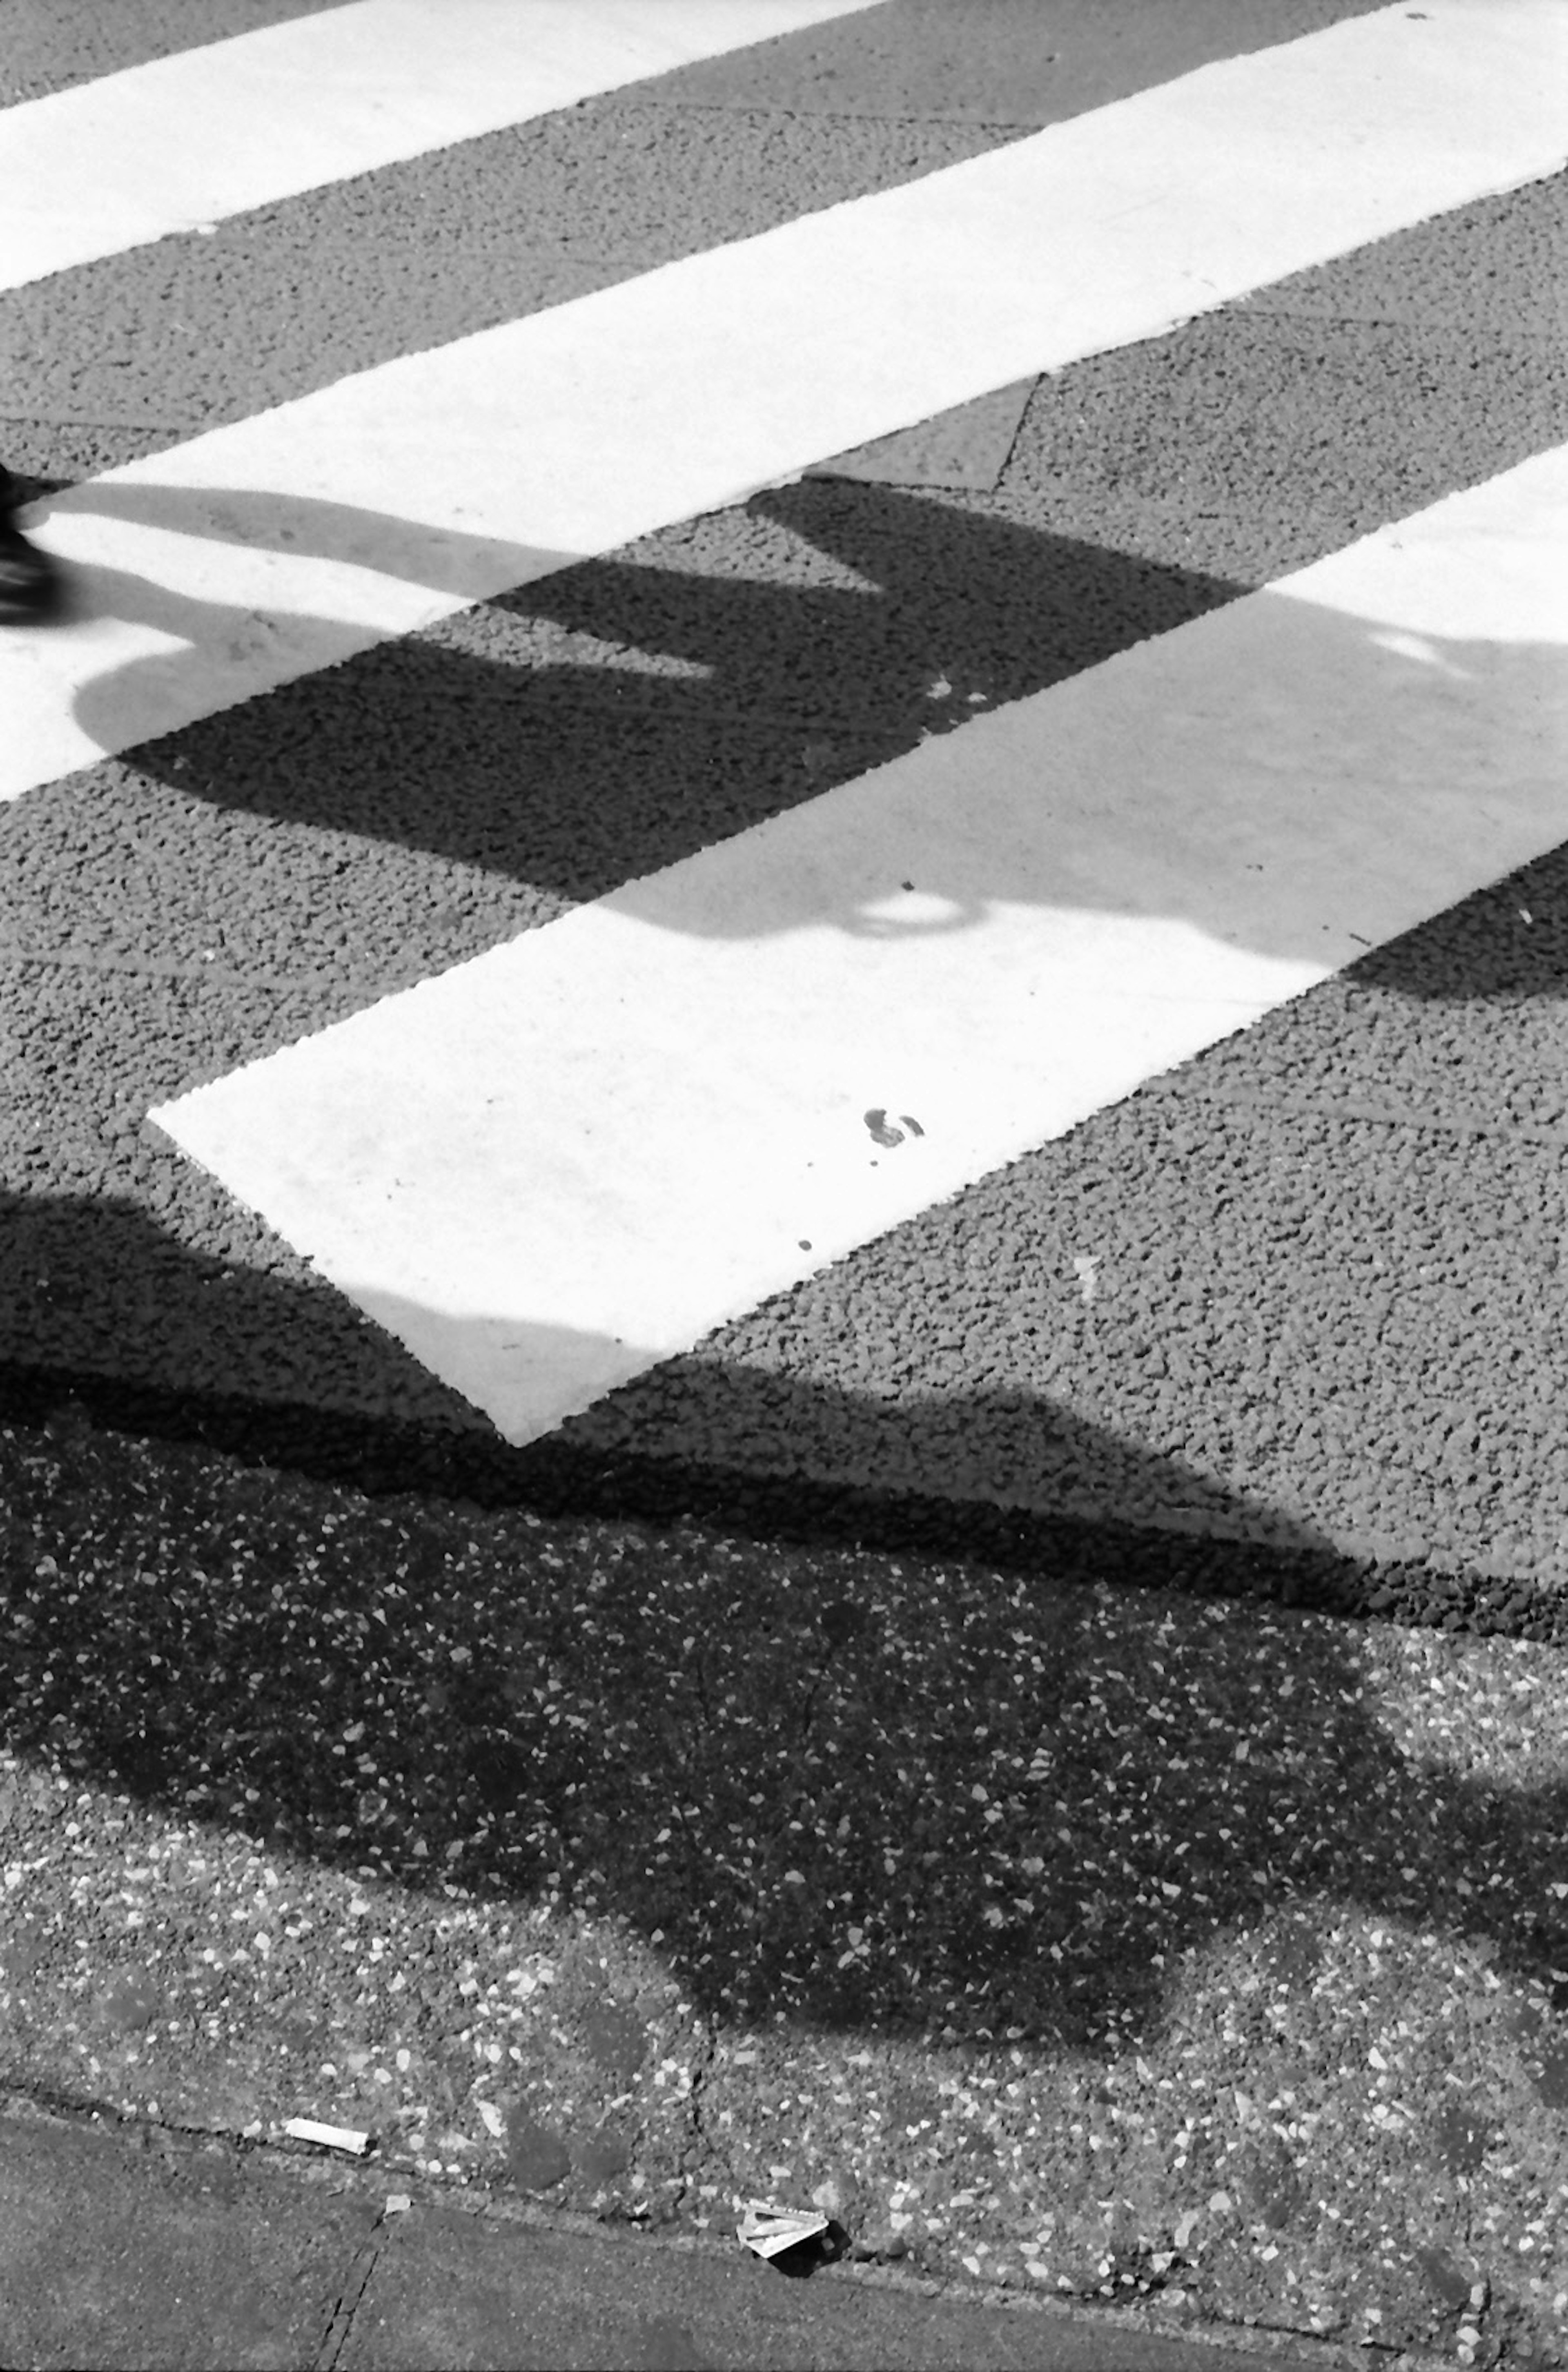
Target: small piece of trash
(343,2137)
(492,2120)
(882,1130)
(398,2203)
(1085,1268)
(768,2230)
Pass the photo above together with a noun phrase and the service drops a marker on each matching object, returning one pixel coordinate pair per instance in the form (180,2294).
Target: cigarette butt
(304,2129)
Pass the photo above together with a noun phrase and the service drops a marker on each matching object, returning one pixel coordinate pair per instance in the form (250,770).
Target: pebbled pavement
(133,2247)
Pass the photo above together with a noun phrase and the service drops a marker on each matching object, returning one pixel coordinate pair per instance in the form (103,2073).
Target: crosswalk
(320,525)
(266,114)
(867,922)
(615,1134)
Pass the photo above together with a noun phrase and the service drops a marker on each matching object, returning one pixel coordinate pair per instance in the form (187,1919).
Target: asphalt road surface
(803,773)
(1295,1290)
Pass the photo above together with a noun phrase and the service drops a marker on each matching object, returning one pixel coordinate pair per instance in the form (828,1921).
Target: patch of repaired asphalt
(1111,1941)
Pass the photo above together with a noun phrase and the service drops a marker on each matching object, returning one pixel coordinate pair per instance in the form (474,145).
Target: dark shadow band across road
(557,1651)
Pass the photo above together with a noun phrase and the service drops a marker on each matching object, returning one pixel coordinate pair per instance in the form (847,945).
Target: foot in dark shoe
(29,582)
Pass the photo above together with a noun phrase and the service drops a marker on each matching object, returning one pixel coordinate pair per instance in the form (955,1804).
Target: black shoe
(29,582)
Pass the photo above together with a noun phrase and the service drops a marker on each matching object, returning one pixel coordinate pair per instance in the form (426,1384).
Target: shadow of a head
(1282,778)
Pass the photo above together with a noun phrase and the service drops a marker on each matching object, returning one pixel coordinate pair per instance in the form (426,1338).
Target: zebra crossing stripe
(264,550)
(552,1166)
(180,142)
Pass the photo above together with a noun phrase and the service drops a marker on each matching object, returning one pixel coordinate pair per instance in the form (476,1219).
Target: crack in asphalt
(345,2306)
(703,2150)
(209,975)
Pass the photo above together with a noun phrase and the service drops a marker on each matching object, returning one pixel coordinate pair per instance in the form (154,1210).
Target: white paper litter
(768,2230)
(305,2129)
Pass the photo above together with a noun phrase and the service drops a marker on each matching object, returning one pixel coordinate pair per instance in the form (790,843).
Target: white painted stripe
(180,144)
(262,550)
(556,1164)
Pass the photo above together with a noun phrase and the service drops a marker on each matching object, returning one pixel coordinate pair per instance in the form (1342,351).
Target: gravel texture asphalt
(1051,1734)
(1119,1942)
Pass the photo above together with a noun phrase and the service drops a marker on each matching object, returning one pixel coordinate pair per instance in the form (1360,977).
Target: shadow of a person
(1295,763)
(992,1763)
